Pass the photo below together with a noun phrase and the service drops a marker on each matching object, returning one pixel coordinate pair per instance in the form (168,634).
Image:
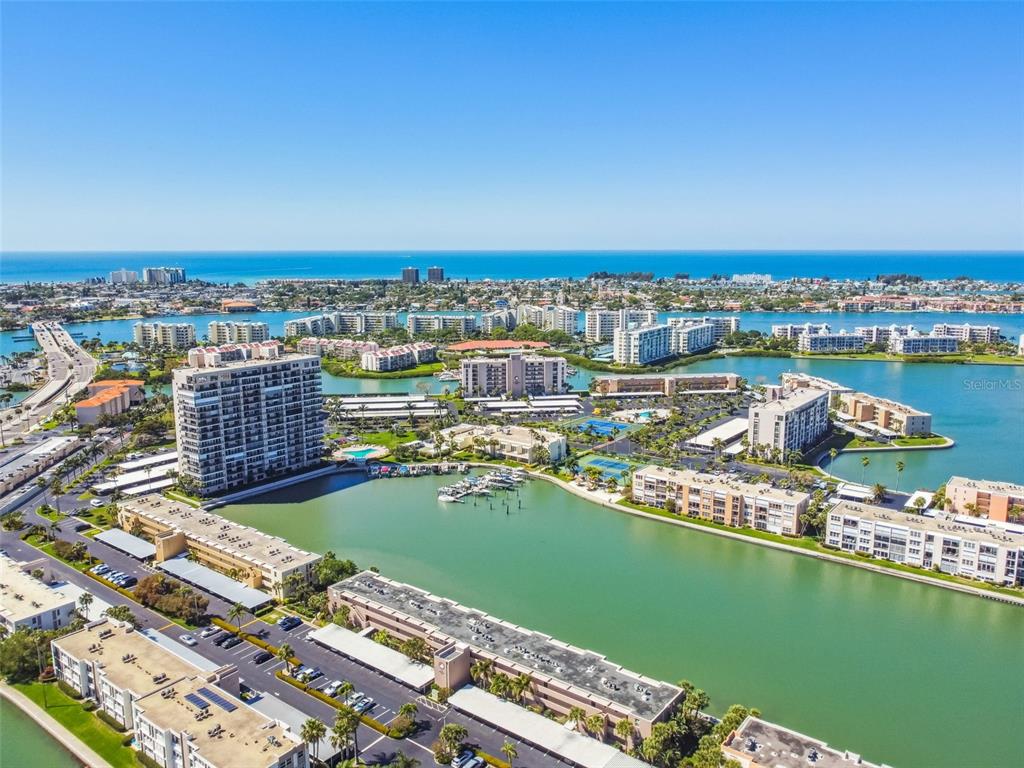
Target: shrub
(110,721)
(127,740)
(493,761)
(89,706)
(147,761)
(67,690)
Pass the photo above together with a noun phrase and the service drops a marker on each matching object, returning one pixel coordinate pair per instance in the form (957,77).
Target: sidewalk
(69,741)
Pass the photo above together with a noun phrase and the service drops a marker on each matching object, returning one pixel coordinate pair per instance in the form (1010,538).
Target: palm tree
(312,731)
(408,710)
(285,653)
(508,749)
(878,492)
(235,614)
(344,690)
(346,730)
(481,671)
(900,466)
(402,760)
(84,601)
(452,735)
(832,453)
(519,685)
(595,725)
(576,716)
(865,462)
(626,731)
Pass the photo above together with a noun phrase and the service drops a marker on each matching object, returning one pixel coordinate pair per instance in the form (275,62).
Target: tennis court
(609,467)
(602,427)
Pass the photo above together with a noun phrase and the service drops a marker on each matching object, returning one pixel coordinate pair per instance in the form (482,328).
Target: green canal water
(913,675)
(23,743)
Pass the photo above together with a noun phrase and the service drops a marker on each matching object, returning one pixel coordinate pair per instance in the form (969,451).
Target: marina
(481,485)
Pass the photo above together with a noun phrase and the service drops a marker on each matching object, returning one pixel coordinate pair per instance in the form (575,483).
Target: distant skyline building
(124,277)
(410,275)
(435,275)
(163,275)
(229,332)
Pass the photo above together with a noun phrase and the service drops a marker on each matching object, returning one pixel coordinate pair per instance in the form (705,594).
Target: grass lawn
(859,442)
(352,370)
(920,441)
(99,736)
(387,439)
(86,496)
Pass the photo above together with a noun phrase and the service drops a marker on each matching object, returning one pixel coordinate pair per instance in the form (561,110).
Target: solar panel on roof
(217,699)
(193,699)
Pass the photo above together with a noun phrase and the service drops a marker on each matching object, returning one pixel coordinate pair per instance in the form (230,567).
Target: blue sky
(633,125)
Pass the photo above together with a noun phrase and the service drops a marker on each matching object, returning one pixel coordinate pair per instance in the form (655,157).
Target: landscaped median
(250,638)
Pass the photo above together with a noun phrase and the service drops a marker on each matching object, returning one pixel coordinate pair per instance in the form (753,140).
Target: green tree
(346,726)
(865,462)
(508,749)
(311,732)
(453,736)
(285,654)
(900,466)
(235,614)
(84,603)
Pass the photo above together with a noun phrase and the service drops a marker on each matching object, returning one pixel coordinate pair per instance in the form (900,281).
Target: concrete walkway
(69,741)
(610,501)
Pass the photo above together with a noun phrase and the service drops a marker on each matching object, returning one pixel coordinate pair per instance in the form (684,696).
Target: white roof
(395,665)
(214,582)
(156,485)
(540,731)
(726,432)
(125,542)
(129,479)
(167,457)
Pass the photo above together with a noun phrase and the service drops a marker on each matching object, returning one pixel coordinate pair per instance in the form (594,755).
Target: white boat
(448,498)
(447,375)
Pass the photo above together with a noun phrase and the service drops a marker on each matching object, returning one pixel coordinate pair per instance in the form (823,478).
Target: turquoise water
(916,676)
(23,743)
(248,267)
(360,453)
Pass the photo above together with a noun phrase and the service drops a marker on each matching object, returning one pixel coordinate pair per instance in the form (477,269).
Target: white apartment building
(794,331)
(983,334)
(752,278)
(975,549)
(249,420)
(831,342)
(888,416)
(174,335)
(515,375)
(398,358)
(124,277)
(722,326)
(919,344)
(230,332)
(529,446)
(601,324)
(26,602)
(881,334)
(794,422)
(692,338)
(163,275)
(549,318)
(417,324)
(720,499)
(643,344)
(499,318)
(355,323)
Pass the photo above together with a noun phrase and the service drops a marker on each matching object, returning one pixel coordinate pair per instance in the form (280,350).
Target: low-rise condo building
(549,318)
(830,342)
(976,334)
(174,335)
(257,559)
(794,331)
(881,334)
(230,332)
(248,420)
(721,500)
(643,344)
(399,357)
(342,349)
(794,381)
(29,464)
(26,602)
(689,338)
(887,416)
(355,323)
(530,446)
(756,743)
(418,324)
(562,676)
(975,550)
(109,397)
(499,318)
(601,324)
(515,375)
(992,499)
(919,344)
(794,422)
(655,385)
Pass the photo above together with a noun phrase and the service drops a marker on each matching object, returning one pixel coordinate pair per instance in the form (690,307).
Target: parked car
(188,640)
(354,698)
(222,638)
(231,642)
(312,674)
(331,688)
(464,757)
(476,762)
(209,632)
(289,623)
(97,503)
(365,705)
(128,581)
(262,657)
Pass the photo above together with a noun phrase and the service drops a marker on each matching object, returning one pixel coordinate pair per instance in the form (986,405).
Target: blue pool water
(360,453)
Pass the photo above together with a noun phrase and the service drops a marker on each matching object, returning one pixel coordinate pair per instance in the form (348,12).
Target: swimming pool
(360,453)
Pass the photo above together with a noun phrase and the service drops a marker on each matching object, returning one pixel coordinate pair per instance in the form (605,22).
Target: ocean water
(249,267)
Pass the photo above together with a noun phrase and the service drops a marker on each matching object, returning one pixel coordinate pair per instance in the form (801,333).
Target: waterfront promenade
(57,731)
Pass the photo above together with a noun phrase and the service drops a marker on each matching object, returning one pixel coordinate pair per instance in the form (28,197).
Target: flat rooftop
(234,734)
(798,398)
(205,527)
(128,658)
(167,457)
(537,652)
(395,665)
(722,483)
(948,525)
(727,431)
(987,486)
(28,457)
(773,746)
(22,595)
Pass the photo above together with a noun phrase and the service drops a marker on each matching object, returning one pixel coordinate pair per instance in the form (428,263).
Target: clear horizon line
(1015,251)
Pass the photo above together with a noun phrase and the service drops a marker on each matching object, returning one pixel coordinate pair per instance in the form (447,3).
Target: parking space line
(167,626)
